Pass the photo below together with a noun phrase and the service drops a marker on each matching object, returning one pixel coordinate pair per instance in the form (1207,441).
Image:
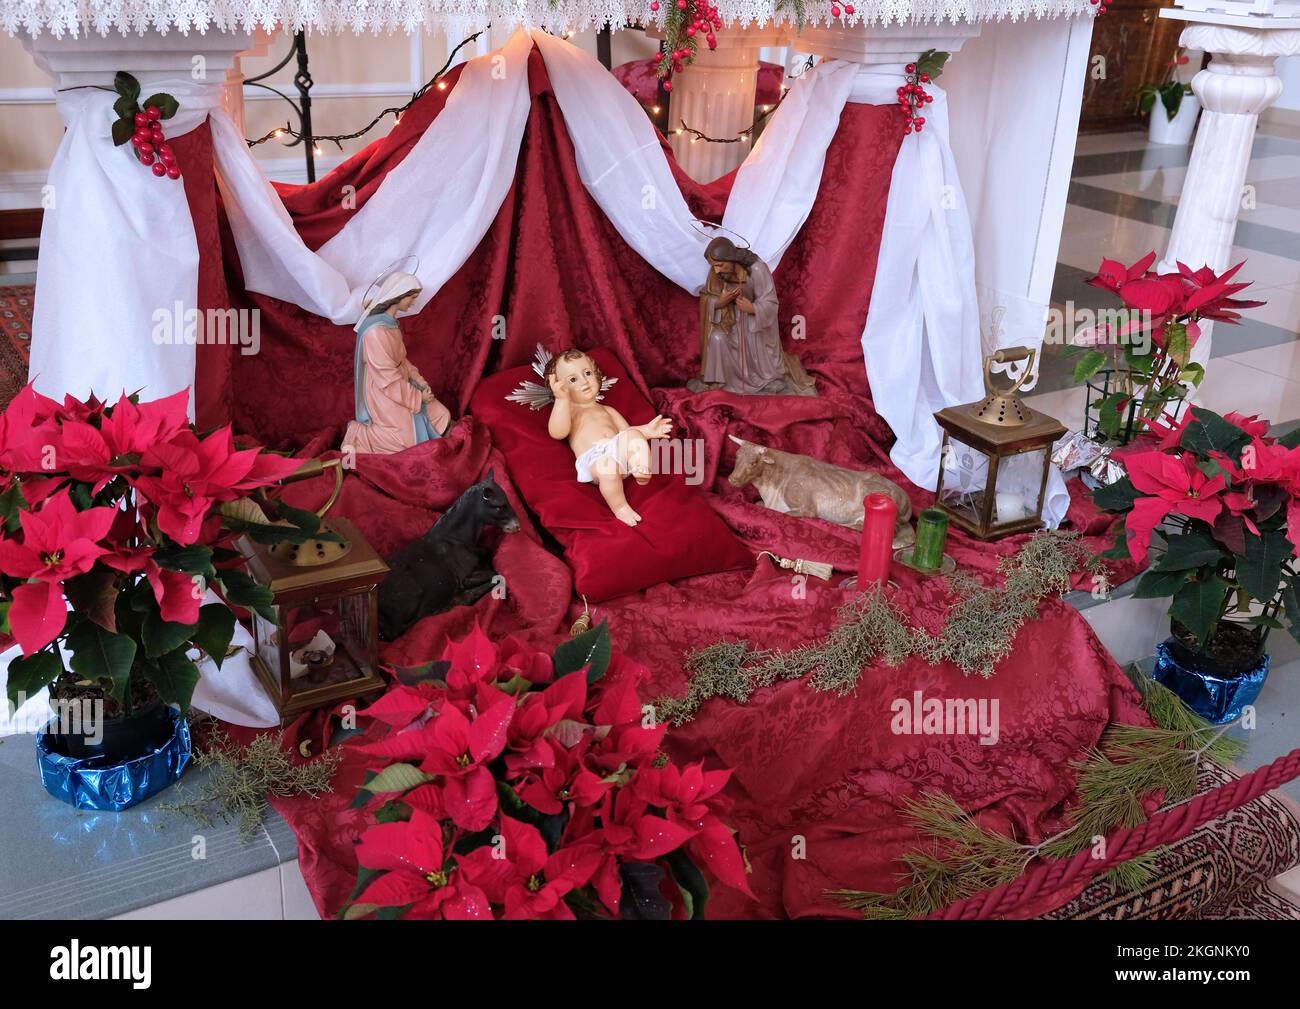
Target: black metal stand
(303,82)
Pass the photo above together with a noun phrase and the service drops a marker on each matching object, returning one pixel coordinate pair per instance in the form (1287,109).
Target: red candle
(878,518)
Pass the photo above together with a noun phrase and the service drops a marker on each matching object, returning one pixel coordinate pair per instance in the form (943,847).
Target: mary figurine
(395,408)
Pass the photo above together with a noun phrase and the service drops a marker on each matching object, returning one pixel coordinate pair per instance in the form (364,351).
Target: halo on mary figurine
(394,405)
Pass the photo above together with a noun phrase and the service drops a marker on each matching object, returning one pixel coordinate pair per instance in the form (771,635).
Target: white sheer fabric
(117,249)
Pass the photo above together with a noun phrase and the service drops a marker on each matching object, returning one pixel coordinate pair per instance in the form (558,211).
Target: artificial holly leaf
(29,676)
(1207,432)
(175,675)
(123,131)
(1259,567)
(164,103)
(590,649)
(1088,365)
(126,85)
(1159,584)
(215,628)
(1116,497)
(931,62)
(98,654)
(1197,605)
(1186,551)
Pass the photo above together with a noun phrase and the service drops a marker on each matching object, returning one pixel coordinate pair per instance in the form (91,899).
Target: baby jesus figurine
(606,446)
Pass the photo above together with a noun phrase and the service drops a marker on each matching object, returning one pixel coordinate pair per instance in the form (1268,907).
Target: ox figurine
(805,487)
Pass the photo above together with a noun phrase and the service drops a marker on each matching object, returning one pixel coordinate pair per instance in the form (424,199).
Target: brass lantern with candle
(323,645)
(996,455)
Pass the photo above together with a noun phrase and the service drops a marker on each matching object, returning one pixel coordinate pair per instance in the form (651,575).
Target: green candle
(931,538)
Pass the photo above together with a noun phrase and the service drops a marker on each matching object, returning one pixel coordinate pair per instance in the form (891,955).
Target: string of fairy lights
(761,116)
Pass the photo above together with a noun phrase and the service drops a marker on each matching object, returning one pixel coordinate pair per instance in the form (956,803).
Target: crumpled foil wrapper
(1214,698)
(1077,451)
(88,783)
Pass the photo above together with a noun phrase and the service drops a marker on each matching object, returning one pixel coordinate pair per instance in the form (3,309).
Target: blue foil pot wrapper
(1215,698)
(89,783)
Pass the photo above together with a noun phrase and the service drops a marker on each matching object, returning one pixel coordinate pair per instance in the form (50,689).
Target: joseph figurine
(740,339)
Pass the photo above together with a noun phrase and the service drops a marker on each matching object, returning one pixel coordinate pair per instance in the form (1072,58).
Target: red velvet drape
(809,765)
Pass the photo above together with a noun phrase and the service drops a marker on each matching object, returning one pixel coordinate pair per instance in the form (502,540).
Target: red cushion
(679,534)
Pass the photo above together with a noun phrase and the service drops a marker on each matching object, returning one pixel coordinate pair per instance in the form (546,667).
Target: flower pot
(1179,129)
(1214,689)
(100,783)
(124,737)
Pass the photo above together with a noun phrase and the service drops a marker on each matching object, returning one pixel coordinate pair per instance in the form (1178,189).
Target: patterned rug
(1219,872)
(16,305)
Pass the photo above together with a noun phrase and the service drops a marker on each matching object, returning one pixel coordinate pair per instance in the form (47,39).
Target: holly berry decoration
(686,22)
(141,126)
(1102,5)
(912,96)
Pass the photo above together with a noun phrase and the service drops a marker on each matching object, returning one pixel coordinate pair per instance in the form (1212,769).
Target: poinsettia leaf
(686,874)
(1187,551)
(195,559)
(94,595)
(175,675)
(1159,584)
(1259,568)
(1230,530)
(393,811)
(11,503)
(29,676)
(1197,606)
(397,778)
(590,649)
(1291,605)
(126,85)
(162,636)
(431,672)
(1116,497)
(1207,432)
(240,589)
(1291,439)
(1110,413)
(214,630)
(1088,365)
(98,655)
(308,521)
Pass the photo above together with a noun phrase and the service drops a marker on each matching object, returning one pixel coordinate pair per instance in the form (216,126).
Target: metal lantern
(995,457)
(323,645)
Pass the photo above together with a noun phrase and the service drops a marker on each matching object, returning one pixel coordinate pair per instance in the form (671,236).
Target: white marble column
(1238,84)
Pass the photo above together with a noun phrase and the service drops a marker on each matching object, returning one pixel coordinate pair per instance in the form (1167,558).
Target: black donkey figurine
(445,567)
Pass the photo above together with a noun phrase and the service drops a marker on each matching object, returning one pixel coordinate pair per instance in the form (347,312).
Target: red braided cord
(1165,827)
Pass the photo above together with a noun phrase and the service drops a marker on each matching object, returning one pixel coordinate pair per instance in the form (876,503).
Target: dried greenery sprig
(1130,763)
(981,627)
(243,777)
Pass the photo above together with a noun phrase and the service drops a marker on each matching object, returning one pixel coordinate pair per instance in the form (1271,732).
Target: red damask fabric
(819,777)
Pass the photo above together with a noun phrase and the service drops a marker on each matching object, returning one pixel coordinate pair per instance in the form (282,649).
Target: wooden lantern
(324,643)
(995,457)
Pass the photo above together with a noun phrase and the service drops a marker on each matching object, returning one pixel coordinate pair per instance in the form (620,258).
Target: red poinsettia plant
(1145,347)
(516,784)
(113,530)
(1221,496)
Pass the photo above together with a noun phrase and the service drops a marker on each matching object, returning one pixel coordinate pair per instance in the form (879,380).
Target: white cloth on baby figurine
(615,445)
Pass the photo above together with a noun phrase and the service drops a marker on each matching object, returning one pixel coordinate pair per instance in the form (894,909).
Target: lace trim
(74,17)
